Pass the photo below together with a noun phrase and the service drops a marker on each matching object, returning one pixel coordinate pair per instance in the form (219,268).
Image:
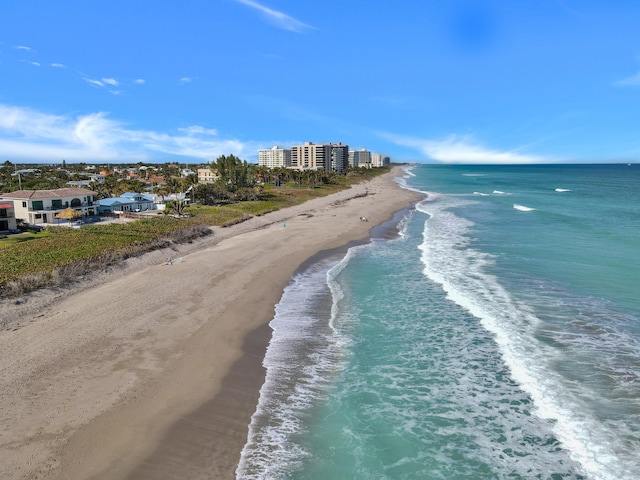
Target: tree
(189,182)
(211,193)
(233,172)
(177,206)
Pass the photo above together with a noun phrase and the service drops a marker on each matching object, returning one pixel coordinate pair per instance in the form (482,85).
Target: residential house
(7,217)
(41,206)
(127,202)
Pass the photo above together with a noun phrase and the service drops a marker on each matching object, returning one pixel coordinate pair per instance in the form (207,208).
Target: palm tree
(189,182)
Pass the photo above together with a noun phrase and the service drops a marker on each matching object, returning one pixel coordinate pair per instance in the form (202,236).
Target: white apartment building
(274,157)
(360,158)
(378,160)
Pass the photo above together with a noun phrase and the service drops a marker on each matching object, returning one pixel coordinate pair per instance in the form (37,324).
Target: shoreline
(106,387)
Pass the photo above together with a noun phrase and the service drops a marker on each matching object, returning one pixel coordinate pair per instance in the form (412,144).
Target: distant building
(206,175)
(274,157)
(378,160)
(26,171)
(96,177)
(360,158)
(41,206)
(80,183)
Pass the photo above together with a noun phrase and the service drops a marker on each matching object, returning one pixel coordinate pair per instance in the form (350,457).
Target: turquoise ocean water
(495,334)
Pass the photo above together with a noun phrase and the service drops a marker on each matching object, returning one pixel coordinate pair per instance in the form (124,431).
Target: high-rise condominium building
(339,157)
(311,156)
(274,157)
(378,160)
(360,158)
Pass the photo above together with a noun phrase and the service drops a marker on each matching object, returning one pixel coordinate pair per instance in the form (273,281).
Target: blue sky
(512,81)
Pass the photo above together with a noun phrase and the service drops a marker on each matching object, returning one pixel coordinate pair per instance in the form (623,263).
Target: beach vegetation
(60,256)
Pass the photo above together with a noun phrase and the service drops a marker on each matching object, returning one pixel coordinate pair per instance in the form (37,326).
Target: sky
(456,81)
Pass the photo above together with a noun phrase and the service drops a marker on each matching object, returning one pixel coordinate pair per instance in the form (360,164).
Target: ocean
(492,332)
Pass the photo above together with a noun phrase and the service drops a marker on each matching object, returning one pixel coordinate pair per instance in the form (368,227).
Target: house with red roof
(7,217)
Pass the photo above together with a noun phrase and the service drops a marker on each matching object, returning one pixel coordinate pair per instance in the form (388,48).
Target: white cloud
(22,47)
(35,64)
(58,65)
(28,135)
(139,81)
(632,81)
(184,80)
(111,81)
(95,83)
(279,19)
(463,149)
(198,130)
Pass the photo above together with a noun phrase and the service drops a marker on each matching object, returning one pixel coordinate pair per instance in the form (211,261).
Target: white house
(7,217)
(41,206)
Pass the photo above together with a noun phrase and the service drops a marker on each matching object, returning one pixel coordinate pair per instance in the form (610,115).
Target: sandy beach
(154,371)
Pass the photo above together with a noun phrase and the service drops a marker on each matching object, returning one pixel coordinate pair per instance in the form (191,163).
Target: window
(56,203)
(24,204)
(37,205)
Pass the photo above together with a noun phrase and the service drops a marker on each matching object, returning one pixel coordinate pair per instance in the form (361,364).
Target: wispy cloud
(184,80)
(104,82)
(632,81)
(24,48)
(139,81)
(463,149)
(279,19)
(27,135)
(198,130)
(57,65)
(95,83)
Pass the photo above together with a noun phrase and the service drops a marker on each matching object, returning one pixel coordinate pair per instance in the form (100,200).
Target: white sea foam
(402,181)
(300,357)
(305,352)
(522,208)
(498,192)
(450,260)
(561,190)
(481,194)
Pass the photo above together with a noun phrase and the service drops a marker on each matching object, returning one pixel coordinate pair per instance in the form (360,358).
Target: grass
(22,237)
(59,255)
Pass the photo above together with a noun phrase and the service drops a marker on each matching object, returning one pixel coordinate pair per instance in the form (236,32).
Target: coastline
(156,373)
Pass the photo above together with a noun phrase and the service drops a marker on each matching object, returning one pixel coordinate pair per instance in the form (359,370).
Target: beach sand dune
(154,372)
